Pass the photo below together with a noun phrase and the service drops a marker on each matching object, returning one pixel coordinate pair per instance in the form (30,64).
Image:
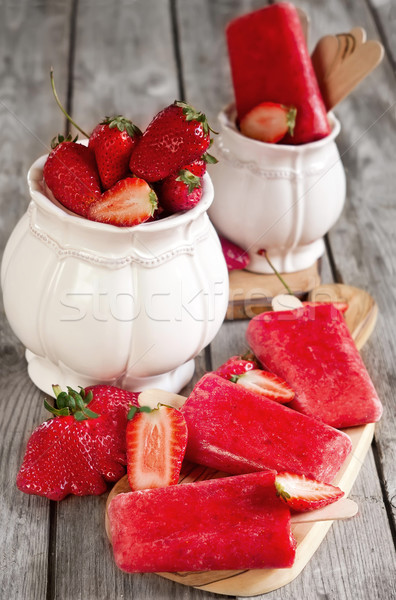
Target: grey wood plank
(363,241)
(340,567)
(32,37)
(384,14)
(124,63)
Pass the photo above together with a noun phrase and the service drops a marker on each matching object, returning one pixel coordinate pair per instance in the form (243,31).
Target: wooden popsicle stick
(285,302)
(349,44)
(359,34)
(342,509)
(324,55)
(336,86)
(153,396)
(343,46)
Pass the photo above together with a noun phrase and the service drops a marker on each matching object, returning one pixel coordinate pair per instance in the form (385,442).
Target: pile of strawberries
(125,177)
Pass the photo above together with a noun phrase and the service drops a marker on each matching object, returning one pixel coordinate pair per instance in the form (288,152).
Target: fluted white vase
(275,197)
(94,303)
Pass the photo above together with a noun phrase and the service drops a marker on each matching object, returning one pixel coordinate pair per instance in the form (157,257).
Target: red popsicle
(270,63)
(234,430)
(312,349)
(221,524)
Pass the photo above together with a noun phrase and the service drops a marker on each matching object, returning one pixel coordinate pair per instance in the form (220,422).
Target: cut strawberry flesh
(301,493)
(267,384)
(267,122)
(156,443)
(129,202)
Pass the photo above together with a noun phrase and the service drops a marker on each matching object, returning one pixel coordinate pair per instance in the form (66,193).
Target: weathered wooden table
(134,57)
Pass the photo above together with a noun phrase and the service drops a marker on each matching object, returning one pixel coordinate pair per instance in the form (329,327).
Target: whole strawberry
(180,191)
(71,174)
(175,137)
(112,142)
(82,447)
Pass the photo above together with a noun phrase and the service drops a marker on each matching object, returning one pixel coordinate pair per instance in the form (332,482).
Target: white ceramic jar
(94,303)
(279,198)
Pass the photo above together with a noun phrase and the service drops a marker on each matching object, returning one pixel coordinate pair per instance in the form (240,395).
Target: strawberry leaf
(192,181)
(80,416)
(154,201)
(64,412)
(209,159)
(291,120)
(192,114)
(281,492)
(90,413)
(132,412)
(122,124)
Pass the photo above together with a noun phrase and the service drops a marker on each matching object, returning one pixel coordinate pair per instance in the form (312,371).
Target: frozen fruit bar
(270,63)
(234,430)
(312,349)
(229,523)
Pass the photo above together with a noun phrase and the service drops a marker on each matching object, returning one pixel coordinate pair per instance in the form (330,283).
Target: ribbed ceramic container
(97,303)
(276,197)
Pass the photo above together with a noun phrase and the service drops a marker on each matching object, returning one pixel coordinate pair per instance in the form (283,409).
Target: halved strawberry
(269,122)
(267,384)
(301,493)
(156,442)
(236,365)
(129,202)
(341,306)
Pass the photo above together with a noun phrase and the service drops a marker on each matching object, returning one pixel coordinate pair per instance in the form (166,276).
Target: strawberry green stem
(279,276)
(61,107)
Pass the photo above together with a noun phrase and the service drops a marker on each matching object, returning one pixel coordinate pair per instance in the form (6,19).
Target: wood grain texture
(363,241)
(32,37)
(125,61)
(206,72)
(251,293)
(359,111)
(384,13)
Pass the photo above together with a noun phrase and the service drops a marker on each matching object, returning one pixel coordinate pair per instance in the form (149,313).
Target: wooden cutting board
(251,293)
(360,318)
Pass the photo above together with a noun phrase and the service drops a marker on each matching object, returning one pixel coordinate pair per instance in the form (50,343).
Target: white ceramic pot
(98,303)
(276,197)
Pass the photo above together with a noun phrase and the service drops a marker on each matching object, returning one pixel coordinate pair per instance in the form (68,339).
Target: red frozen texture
(221,524)
(234,430)
(270,63)
(312,349)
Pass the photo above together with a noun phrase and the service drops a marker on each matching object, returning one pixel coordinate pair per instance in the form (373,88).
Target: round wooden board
(360,318)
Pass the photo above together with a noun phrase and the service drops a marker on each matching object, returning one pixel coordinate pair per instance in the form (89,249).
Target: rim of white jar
(55,208)
(227,118)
